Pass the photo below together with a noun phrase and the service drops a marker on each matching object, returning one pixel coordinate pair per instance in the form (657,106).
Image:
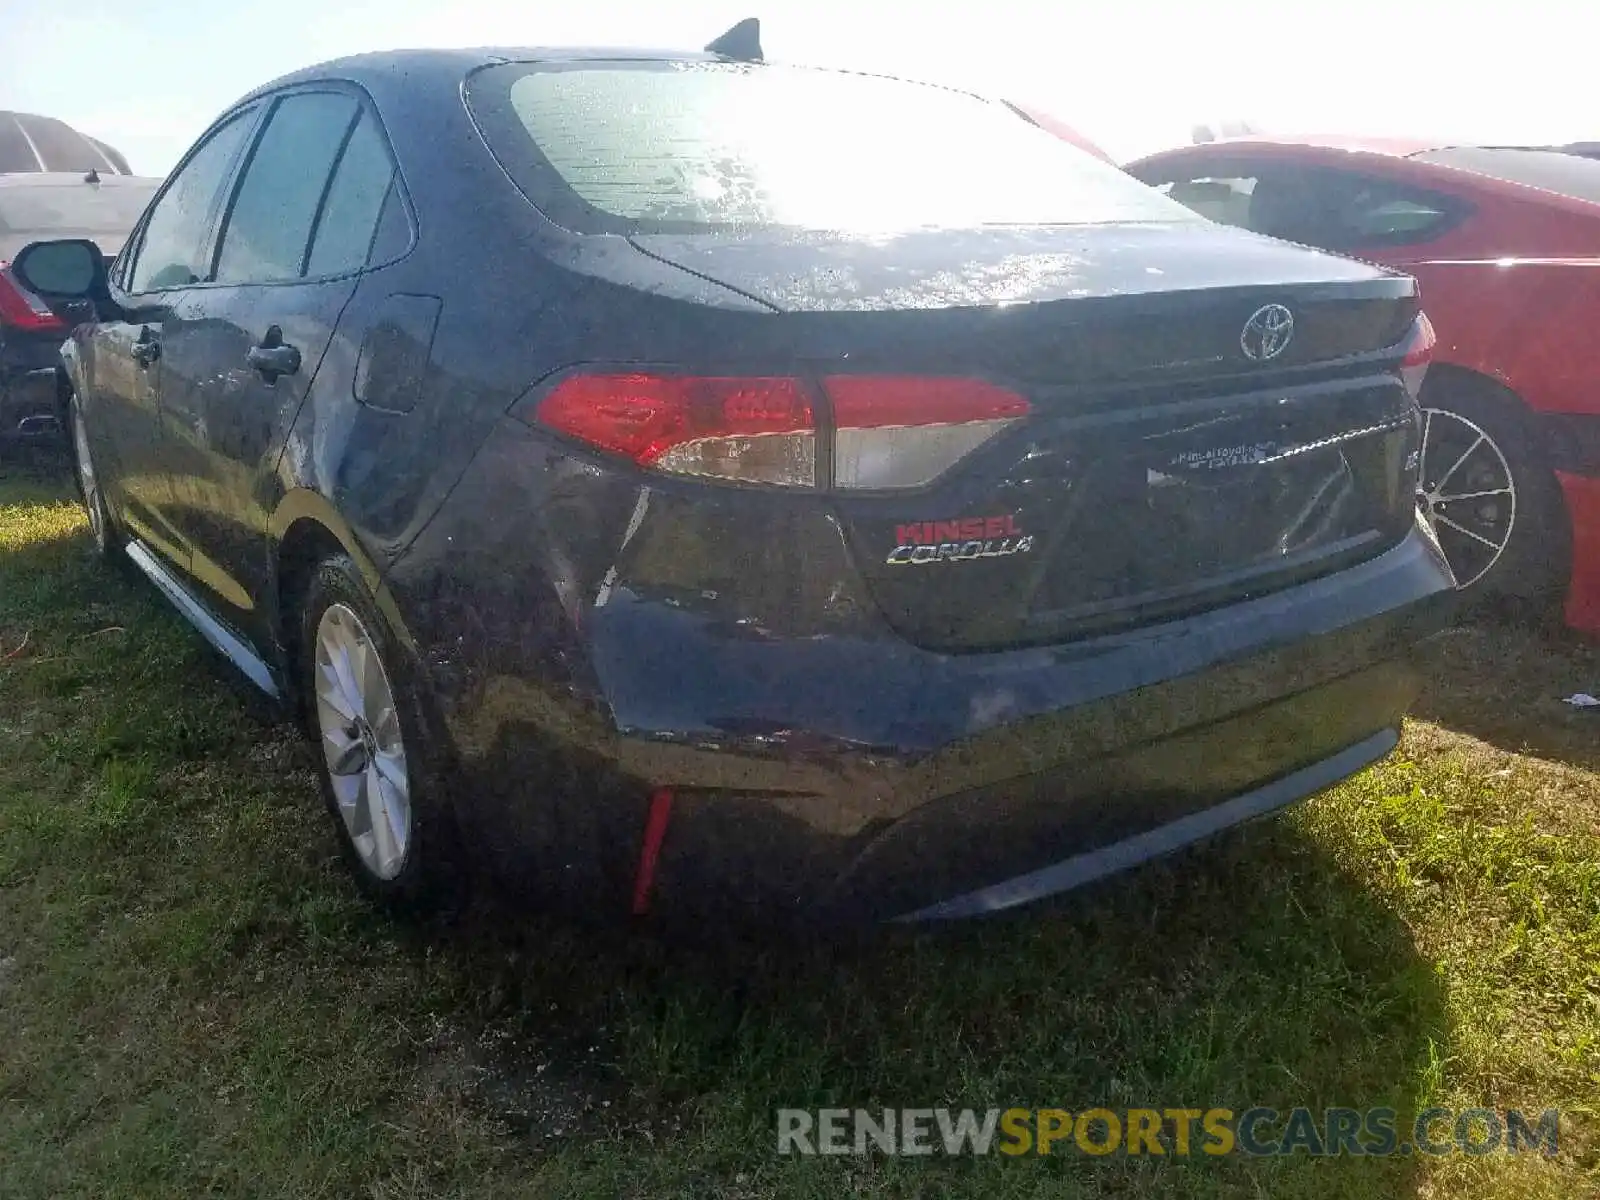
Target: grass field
(196,1001)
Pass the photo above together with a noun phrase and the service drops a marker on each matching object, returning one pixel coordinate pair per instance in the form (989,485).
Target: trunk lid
(815,271)
(1161,468)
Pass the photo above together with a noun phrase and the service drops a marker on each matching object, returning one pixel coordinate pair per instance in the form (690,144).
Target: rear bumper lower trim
(1119,856)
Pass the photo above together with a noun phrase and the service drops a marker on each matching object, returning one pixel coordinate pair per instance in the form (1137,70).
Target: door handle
(273,357)
(147,347)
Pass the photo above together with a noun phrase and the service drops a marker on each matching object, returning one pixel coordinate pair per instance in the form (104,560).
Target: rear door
(164,259)
(242,351)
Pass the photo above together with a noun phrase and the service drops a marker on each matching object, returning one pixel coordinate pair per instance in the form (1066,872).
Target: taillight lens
(904,431)
(750,430)
(890,431)
(21,309)
(1419,353)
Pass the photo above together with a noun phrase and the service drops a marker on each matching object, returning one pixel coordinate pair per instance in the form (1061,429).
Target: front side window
(1299,206)
(1334,210)
(639,147)
(173,244)
(1224,200)
(268,233)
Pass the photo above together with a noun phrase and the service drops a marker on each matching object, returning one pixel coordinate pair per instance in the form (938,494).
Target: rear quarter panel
(514,297)
(1513,288)
(1524,323)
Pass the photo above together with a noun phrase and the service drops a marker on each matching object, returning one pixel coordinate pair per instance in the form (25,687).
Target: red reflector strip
(879,401)
(21,309)
(655,831)
(643,416)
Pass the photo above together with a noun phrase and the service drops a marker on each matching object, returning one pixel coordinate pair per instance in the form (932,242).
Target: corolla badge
(1267,333)
(960,540)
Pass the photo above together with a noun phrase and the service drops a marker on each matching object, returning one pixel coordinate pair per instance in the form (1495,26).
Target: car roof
(1553,173)
(384,70)
(432,66)
(35,144)
(1393,147)
(1053,124)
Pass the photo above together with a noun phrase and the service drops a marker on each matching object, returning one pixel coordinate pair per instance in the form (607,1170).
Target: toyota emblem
(1267,333)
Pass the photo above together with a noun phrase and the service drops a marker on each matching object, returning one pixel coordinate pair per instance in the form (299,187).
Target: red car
(1506,245)
(1053,124)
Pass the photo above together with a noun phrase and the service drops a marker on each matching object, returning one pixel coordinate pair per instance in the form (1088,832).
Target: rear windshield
(1568,174)
(682,146)
(105,212)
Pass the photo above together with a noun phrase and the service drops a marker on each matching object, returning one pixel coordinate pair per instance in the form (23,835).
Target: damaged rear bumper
(847,779)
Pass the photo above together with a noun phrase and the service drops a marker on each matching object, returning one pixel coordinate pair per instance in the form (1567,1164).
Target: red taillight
(1418,354)
(891,431)
(755,430)
(876,401)
(21,309)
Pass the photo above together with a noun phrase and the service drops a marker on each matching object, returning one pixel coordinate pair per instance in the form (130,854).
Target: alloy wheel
(1467,493)
(362,743)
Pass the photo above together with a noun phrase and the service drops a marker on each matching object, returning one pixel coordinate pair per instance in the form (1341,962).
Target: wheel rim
(361,742)
(86,477)
(1466,492)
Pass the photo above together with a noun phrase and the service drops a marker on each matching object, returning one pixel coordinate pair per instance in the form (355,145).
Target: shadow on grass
(1250,972)
(44,463)
(1506,683)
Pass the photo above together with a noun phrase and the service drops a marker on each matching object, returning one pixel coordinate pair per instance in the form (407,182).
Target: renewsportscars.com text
(1178,1132)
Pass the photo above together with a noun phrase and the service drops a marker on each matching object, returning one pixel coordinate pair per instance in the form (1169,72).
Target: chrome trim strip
(1164,839)
(230,646)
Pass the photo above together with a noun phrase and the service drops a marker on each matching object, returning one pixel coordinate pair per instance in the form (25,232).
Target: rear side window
(1226,201)
(684,146)
(1335,210)
(268,233)
(1396,219)
(361,183)
(393,236)
(174,239)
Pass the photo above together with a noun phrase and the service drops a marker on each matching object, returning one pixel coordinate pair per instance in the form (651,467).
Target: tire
(377,766)
(1487,489)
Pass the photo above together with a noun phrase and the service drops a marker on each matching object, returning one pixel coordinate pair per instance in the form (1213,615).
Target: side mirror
(73,268)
